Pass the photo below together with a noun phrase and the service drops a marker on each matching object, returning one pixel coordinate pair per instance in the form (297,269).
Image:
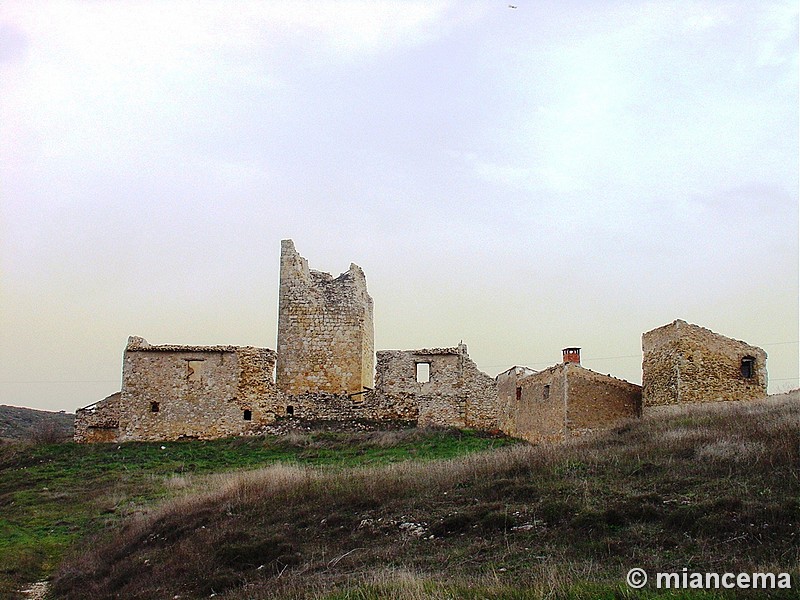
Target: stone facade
(325,329)
(684,363)
(444,384)
(563,401)
(171,392)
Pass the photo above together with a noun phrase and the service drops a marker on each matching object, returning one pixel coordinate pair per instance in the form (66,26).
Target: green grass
(53,495)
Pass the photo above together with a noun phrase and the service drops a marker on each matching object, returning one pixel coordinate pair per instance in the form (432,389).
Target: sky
(563,173)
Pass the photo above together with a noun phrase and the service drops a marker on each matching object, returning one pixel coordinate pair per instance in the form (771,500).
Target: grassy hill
(713,488)
(26,423)
(53,496)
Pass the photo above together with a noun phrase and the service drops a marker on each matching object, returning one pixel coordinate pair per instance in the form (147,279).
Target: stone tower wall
(685,363)
(325,329)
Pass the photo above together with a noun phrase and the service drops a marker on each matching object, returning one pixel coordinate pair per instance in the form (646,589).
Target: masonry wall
(597,401)
(172,392)
(566,400)
(98,422)
(325,329)
(538,412)
(370,406)
(685,363)
(457,394)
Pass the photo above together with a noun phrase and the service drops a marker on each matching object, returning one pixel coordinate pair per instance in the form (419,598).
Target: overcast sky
(561,173)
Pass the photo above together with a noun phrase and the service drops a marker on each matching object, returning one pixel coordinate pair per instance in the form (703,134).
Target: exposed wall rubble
(448,388)
(98,422)
(685,363)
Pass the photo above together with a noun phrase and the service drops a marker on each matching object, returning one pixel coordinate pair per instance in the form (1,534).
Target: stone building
(444,384)
(685,363)
(326,340)
(171,392)
(326,361)
(564,400)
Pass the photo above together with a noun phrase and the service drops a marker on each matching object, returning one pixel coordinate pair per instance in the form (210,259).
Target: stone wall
(444,384)
(685,363)
(171,392)
(563,401)
(597,401)
(325,329)
(98,422)
(536,407)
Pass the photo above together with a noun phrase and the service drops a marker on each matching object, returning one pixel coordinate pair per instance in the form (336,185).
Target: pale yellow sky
(565,173)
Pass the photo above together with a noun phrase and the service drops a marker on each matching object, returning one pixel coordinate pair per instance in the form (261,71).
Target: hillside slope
(713,488)
(18,423)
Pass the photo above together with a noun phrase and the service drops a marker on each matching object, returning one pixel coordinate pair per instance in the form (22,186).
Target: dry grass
(707,488)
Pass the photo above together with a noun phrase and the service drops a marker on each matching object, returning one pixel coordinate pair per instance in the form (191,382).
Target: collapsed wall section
(685,363)
(325,329)
(98,422)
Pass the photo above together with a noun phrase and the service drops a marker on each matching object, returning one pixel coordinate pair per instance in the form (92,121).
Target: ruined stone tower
(326,339)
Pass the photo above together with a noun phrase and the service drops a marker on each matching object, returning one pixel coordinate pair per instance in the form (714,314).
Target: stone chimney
(572,355)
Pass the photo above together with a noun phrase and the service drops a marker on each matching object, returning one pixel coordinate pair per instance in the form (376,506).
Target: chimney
(572,355)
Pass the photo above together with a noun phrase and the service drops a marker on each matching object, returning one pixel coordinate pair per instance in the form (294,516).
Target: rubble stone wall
(538,412)
(98,422)
(205,392)
(685,363)
(325,329)
(456,394)
(597,401)
(565,400)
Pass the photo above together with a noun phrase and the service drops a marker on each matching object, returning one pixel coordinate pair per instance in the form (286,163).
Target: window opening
(519,394)
(423,372)
(290,410)
(154,407)
(248,415)
(194,370)
(748,367)
(546,392)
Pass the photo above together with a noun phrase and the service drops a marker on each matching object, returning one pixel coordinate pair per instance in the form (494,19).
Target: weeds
(562,521)
(52,495)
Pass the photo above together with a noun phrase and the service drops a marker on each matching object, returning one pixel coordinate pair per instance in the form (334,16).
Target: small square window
(423,372)
(248,415)
(546,392)
(154,407)
(519,394)
(290,410)
(748,367)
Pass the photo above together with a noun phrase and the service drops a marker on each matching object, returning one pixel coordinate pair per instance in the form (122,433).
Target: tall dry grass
(709,487)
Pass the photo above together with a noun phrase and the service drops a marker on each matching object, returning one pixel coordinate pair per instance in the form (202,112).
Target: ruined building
(326,340)
(171,392)
(325,363)
(564,400)
(684,363)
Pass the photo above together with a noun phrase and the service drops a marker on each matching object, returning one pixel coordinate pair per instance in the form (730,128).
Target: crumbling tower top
(326,338)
